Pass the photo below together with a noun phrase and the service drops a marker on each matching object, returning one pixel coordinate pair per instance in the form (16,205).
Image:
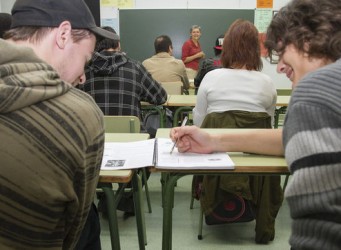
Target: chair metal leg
(192,202)
(201,213)
(278,112)
(177,114)
(144,176)
(285,182)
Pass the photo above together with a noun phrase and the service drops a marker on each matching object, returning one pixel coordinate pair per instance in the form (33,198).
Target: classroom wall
(140,27)
(280,80)
(203,4)
(6,5)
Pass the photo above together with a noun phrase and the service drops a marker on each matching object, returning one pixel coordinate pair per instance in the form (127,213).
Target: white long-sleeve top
(235,89)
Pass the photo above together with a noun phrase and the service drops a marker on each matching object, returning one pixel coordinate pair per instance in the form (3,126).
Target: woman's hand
(192,139)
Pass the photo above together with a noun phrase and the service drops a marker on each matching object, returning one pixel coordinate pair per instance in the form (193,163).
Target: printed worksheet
(176,160)
(128,155)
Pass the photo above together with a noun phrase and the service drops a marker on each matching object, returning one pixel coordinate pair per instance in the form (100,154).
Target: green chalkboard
(140,27)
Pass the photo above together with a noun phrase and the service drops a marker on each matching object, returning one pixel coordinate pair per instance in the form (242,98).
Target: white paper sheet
(178,160)
(128,155)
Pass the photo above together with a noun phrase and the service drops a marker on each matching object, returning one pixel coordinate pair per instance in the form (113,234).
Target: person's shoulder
(82,95)
(146,61)
(133,62)
(80,101)
(178,62)
(187,42)
(320,87)
(331,70)
(324,78)
(264,76)
(215,72)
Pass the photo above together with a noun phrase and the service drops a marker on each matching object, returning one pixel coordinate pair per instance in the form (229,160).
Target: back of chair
(122,124)
(284,91)
(173,88)
(237,119)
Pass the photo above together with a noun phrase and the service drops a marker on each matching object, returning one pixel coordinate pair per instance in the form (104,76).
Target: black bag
(151,121)
(232,209)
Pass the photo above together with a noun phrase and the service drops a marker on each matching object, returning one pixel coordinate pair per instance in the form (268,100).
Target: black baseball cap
(219,42)
(50,13)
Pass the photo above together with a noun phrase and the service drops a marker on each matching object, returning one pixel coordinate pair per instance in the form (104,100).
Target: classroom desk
(143,104)
(182,100)
(283,100)
(123,177)
(244,164)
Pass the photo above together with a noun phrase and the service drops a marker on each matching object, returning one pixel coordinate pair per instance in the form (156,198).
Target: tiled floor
(239,236)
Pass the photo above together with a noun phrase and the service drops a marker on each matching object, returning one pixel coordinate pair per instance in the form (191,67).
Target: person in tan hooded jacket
(51,133)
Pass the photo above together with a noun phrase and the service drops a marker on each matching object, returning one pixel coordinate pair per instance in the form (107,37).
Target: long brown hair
(241,47)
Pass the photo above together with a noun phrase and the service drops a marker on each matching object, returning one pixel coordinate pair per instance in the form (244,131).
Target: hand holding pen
(182,124)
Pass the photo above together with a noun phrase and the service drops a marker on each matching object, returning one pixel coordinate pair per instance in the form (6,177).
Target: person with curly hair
(306,35)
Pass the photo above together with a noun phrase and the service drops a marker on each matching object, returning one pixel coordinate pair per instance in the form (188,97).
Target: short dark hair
(162,44)
(241,46)
(106,43)
(314,23)
(34,34)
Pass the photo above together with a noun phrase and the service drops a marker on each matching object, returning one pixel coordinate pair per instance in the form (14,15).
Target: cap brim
(104,33)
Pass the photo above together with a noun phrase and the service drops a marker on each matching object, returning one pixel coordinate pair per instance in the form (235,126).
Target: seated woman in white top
(239,84)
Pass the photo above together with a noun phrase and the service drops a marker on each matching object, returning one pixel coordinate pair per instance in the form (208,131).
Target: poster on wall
(110,12)
(264,4)
(262,20)
(109,17)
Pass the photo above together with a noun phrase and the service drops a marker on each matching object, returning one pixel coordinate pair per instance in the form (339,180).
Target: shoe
(126,204)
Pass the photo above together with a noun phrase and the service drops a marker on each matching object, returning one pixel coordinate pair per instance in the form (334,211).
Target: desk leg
(168,201)
(164,179)
(112,201)
(137,192)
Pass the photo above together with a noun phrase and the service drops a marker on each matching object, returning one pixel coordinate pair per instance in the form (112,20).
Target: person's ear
(63,35)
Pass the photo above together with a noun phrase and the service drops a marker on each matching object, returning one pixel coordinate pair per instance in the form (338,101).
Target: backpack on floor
(232,209)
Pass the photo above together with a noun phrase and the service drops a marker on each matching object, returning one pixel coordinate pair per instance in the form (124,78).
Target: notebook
(156,152)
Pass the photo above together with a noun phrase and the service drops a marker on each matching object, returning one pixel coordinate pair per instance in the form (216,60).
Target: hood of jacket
(107,62)
(25,79)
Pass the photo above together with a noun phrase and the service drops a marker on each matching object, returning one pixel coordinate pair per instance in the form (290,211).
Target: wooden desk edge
(119,178)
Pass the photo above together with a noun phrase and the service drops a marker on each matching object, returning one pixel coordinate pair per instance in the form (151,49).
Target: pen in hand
(182,124)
